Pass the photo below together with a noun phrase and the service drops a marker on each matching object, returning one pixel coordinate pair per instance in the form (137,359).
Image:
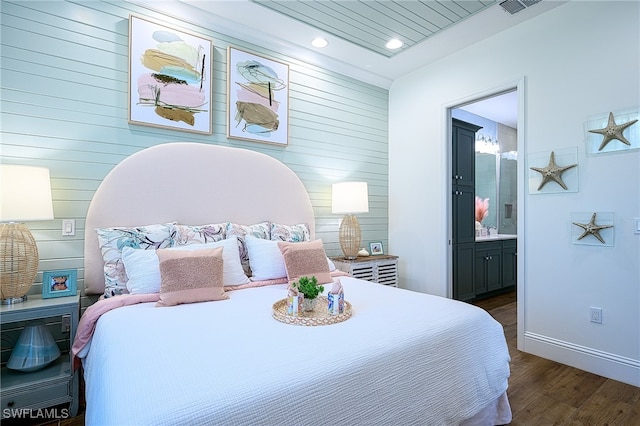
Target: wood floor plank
(575,387)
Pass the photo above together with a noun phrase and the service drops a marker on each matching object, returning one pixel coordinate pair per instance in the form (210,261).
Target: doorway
(498,187)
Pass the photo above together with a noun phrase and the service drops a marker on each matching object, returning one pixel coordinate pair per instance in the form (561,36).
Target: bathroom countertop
(496,237)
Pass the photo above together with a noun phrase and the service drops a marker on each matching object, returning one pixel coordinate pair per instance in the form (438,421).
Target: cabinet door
(463,275)
(494,270)
(464,223)
(509,263)
(488,267)
(463,137)
(387,273)
(480,272)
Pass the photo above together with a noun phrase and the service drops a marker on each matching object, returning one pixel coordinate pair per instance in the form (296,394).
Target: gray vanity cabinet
(488,267)
(495,266)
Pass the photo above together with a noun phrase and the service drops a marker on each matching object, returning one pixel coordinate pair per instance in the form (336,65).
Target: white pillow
(266,260)
(143,270)
(143,266)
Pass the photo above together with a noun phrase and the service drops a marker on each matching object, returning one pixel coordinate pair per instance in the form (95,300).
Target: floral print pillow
(183,235)
(290,233)
(259,230)
(113,240)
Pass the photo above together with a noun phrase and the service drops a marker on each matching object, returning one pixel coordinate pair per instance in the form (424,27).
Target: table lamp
(349,198)
(25,195)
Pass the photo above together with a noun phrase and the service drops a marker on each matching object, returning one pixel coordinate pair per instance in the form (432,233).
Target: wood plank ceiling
(372,23)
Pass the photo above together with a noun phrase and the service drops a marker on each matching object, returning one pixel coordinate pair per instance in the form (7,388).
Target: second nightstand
(381,269)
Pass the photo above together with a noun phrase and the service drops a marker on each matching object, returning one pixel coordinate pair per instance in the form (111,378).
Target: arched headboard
(192,184)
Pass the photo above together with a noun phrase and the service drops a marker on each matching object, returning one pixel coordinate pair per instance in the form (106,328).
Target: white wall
(575,61)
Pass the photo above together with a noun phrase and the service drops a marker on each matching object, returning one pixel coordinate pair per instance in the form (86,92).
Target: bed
(401,358)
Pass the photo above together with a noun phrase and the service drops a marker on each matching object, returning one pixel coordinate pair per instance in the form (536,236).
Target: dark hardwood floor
(541,392)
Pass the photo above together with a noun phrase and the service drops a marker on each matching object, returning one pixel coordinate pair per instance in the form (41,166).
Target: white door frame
(519,86)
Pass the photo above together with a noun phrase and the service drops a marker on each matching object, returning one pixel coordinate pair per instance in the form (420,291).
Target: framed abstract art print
(169,77)
(257,98)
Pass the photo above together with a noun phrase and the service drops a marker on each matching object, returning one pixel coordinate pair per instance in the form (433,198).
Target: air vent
(515,6)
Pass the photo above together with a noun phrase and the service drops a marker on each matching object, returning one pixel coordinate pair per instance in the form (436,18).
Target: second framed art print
(257,98)
(169,77)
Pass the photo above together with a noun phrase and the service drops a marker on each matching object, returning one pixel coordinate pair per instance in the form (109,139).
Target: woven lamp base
(350,236)
(18,262)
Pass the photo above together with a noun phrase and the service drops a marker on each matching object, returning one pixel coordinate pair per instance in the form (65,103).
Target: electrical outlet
(596,315)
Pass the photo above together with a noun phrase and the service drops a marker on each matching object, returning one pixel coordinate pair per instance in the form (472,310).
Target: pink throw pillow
(305,259)
(190,276)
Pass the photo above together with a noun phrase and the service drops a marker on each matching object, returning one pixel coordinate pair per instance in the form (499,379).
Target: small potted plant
(310,288)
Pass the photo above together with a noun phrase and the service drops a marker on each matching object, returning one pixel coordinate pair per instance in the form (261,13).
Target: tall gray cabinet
(463,208)
(487,266)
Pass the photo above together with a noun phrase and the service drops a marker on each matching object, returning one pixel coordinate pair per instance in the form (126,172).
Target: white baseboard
(604,364)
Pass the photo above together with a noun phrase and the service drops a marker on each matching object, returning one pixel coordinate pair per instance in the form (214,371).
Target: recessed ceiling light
(394,43)
(319,42)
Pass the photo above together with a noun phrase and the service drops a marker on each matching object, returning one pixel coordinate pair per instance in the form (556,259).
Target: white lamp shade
(350,197)
(25,193)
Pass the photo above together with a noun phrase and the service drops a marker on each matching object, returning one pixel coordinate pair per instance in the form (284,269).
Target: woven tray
(319,316)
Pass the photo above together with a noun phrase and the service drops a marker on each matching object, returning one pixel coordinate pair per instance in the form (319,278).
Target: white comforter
(402,358)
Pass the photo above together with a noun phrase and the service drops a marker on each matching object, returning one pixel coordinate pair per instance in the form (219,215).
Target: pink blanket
(88,321)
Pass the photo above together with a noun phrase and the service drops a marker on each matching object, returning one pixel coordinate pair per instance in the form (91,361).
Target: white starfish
(613,131)
(552,172)
(592,229)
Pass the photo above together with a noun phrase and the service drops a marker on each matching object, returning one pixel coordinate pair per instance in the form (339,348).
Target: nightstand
(56,383)
(381,269)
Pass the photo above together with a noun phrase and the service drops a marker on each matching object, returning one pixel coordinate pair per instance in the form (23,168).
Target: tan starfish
(552,172)
(613,131)
(592,229)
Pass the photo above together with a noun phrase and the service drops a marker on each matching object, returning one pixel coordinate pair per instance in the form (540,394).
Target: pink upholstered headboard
(192,184)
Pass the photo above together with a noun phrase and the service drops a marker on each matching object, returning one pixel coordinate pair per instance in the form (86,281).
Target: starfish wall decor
(592,229)
(613,131)
(552,172)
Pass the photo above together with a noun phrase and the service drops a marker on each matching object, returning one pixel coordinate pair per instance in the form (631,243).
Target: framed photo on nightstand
(59,283)
(376,248)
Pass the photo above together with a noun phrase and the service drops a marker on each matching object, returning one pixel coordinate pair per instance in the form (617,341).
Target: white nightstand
(381,269)
(56,383)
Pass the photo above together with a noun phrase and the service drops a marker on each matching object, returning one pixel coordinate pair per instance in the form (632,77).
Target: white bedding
(402,358)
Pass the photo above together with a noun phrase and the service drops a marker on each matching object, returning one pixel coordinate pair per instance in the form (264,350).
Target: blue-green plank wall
(63,94)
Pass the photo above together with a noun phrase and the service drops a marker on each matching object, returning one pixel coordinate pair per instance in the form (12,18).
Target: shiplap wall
(63,78)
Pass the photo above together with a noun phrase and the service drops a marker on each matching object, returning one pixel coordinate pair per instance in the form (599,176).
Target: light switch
(68,227)
(636,222)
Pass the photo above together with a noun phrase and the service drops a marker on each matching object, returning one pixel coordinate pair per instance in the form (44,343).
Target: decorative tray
(319,316)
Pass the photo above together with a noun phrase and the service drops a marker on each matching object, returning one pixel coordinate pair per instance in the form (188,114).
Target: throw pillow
(294,233)
(305,259)
(183,235)
(113,240)
(259,230)
(190,276)
(265,259)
